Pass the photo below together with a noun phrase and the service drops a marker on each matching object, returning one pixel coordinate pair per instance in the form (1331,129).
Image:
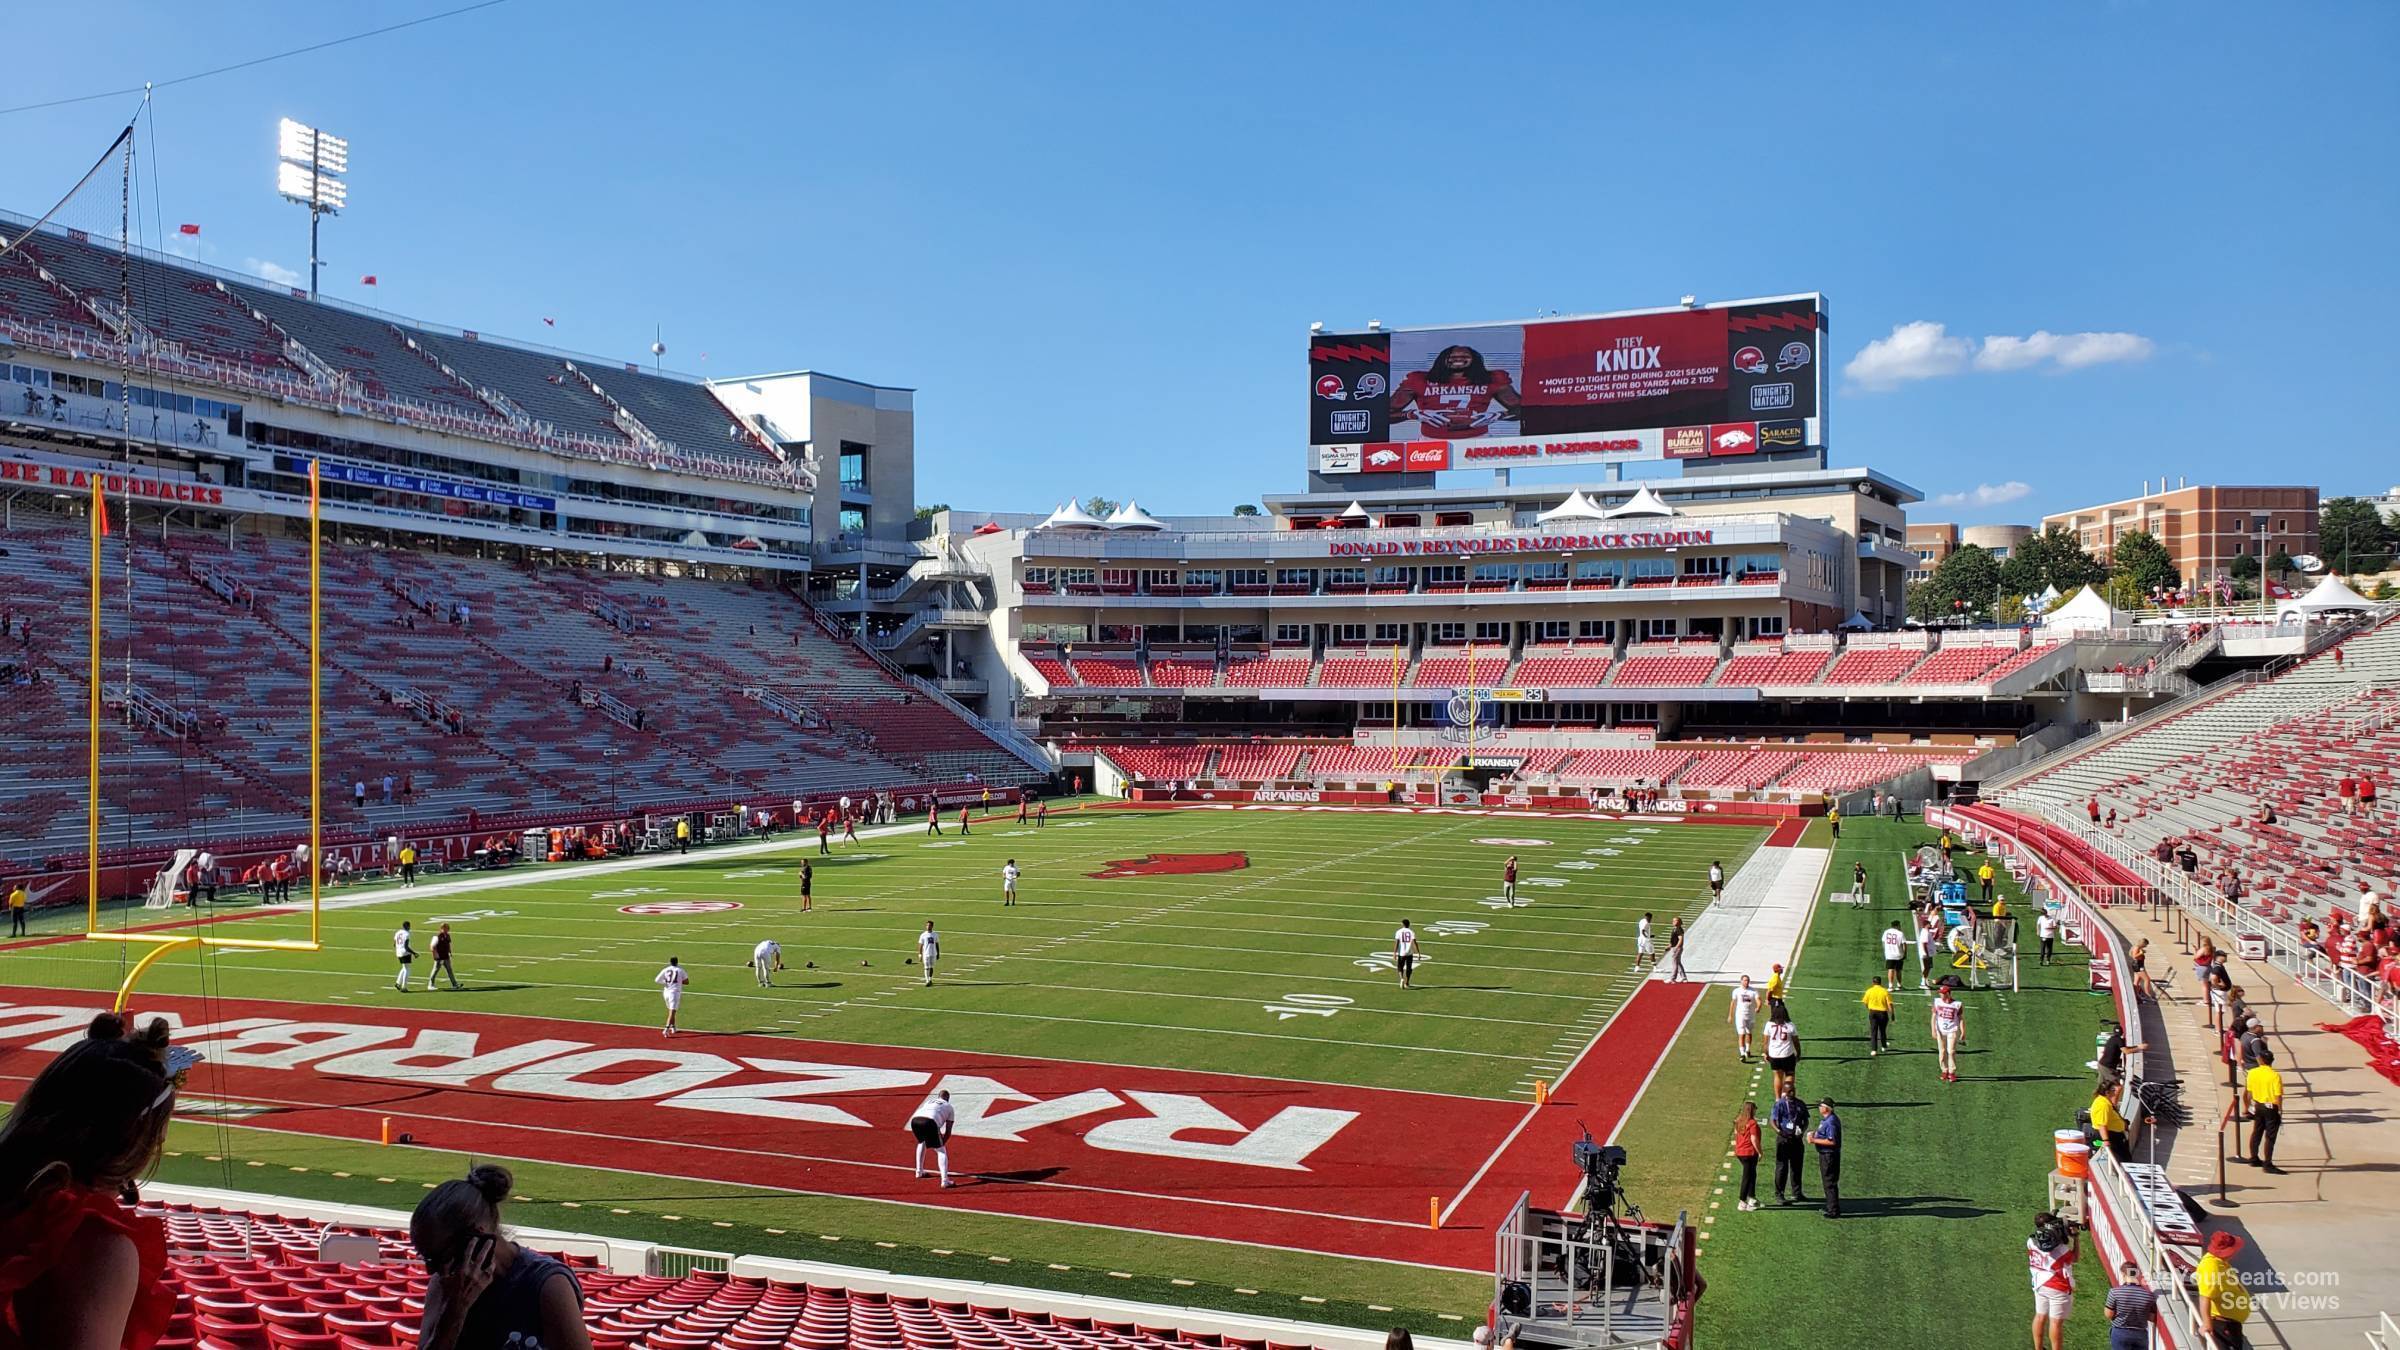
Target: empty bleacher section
(540,384)
(1740,769)
(1871,665)
(1108,667)
(370,351)
(1562,667)
(1961,663)
(1362,669)
(1183,670)
(1050,665)
(259,1280)
(1769,666)
(2019,661)
(1664,665)
(1615,767)
(1458,668)
(1268,668)
(480,716)
(1253,762)
(1162,763)
(2204,774)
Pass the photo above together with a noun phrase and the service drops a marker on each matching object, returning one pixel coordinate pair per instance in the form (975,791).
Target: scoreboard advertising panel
(1710,382)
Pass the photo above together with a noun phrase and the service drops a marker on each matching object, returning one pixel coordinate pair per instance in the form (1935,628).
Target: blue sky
(1093,237)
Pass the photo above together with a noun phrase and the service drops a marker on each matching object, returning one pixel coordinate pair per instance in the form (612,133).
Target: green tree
(2353,536)
(2053,558)
(1099,506)
(1248,509)
(2140,556)
(2281,565)
(2122,591)
(2009,609)
(1971,575)
(929,512)
(2385,590)
(2245,567)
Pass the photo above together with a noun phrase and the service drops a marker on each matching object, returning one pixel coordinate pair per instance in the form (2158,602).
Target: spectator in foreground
(1827,1137)
(487,1292)
(1790,1119)
(2130,1304)
(2224,1300)
(1399,1340)
(79,1270)
(2109,1123)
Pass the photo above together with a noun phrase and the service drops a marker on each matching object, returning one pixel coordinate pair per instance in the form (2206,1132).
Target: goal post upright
(162,944)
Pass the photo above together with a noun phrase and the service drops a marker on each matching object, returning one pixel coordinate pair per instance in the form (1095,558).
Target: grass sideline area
(1940,1182)
(1166,968)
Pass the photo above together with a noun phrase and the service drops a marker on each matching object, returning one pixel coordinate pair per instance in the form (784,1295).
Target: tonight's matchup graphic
(1608,387)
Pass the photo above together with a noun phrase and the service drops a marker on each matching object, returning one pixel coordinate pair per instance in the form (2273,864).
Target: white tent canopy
(1354,511)
(2330,595)
(1072,516)
(1643,502)
(1131,516)
(2087,612)
(1575,507)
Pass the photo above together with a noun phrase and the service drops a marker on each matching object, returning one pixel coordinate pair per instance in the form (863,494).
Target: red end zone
(1315,1167)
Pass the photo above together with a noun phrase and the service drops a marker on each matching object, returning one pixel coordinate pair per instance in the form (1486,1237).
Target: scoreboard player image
(1458,395)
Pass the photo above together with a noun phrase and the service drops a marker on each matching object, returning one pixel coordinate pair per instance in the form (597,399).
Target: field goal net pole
(162,945)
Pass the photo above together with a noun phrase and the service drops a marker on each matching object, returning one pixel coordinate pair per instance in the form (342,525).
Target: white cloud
(1914,351)
(1987,494)
(272,271)
(1924,350)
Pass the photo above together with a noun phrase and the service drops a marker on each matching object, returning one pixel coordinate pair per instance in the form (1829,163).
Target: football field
(1187,1034)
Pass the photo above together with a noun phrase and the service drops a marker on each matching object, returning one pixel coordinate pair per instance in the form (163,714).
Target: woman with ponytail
(488,1293)
(79,1269)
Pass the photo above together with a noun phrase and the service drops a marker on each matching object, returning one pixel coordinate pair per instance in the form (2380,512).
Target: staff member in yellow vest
(17,901)
(2224,1300)
(2110,1123)
(2265,1085)
(1984,876)
(1878,999)
(408,864)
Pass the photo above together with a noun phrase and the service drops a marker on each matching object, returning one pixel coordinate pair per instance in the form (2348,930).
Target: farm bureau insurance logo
(1172,865)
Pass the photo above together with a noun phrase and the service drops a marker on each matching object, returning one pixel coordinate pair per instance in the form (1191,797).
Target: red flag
(99,506)
(187,229)
(367,280)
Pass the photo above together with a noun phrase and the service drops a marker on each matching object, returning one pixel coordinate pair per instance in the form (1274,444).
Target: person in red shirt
(2348,791)
(825,833)
(1454,397)
(2093,806)
(1023,803)
(2366,793)
(1508,880)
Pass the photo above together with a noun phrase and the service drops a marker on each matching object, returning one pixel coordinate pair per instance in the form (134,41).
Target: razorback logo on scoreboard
(1172,865)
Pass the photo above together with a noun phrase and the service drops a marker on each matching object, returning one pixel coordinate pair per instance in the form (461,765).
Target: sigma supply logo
(1771,397)
(1172,865)
(1428,456)
(1333,459)
(1793,356)
(1782,435)
(1733,438)
(1687,442)
(1351,421)
(1370,385)
(1331,387)
(1750,361)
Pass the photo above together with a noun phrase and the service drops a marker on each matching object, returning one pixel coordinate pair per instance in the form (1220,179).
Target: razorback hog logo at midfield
(1173,865)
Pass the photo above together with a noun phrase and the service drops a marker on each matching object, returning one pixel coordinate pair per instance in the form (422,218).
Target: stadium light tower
(309,172)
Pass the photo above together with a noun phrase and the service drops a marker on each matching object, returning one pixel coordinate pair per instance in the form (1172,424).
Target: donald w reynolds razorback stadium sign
(1524,543)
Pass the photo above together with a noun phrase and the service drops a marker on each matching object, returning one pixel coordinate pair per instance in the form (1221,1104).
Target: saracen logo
(1172,865)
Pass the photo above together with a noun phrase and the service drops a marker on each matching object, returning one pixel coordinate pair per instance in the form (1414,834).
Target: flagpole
(316,723)
(91,845)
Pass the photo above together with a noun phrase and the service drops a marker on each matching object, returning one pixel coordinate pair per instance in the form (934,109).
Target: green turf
(1165,971)
(1939,1181)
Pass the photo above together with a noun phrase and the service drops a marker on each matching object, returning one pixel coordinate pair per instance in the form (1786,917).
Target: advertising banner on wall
(1660,384)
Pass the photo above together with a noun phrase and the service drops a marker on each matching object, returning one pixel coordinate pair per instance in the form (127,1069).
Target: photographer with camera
(2050,1255)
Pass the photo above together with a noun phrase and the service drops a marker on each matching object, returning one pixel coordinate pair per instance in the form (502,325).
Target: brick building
(2204,528)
